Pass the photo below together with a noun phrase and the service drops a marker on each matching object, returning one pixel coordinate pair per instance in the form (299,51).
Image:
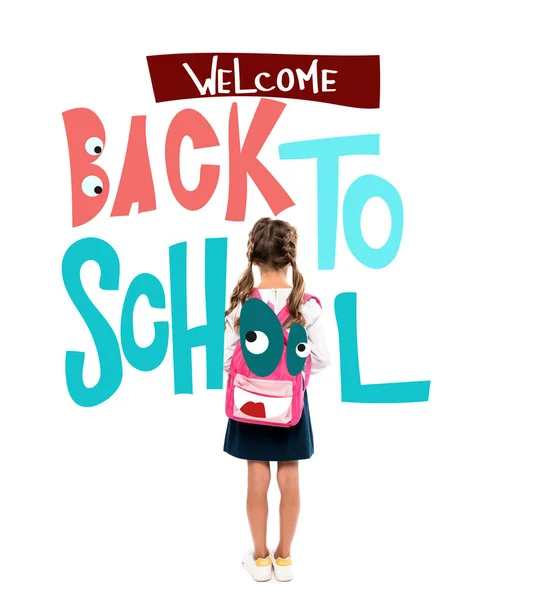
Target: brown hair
(272,244)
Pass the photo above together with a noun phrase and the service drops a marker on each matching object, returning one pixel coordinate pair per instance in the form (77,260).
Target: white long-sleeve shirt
(314,327)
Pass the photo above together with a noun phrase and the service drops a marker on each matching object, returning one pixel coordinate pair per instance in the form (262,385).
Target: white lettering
(260,86)
(237,83)
(210,82)
(221,83)
(312,73)
(326,81)
(280,76)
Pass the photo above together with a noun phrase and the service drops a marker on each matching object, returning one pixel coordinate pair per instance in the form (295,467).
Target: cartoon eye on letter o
(261,337)
(297,349)
(256,342)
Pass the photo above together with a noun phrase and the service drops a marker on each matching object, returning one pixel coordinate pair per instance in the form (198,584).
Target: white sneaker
(282,567)
(260,569)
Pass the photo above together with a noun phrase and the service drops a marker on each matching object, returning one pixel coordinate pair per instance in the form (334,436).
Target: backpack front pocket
(262,400)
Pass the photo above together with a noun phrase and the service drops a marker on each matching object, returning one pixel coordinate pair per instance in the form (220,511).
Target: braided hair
(272,244)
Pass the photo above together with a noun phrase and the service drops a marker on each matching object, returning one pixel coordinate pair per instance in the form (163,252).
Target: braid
(289,246)
(272,244)
(245,284)
(250,248)
(295,299)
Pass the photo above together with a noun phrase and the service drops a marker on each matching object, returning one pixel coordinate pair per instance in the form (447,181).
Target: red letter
(89,183)
(136,183)
(244,160)
(192,124)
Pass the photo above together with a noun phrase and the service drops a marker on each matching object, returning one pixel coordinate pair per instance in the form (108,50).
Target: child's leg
(288,480)
(259,475)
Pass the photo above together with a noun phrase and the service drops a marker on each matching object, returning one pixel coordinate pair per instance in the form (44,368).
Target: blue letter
(210,335)
(328,151)
(149,358)
(108,351)
(352,389)
(363,189)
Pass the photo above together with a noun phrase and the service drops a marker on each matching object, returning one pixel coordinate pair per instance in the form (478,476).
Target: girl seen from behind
(272,247)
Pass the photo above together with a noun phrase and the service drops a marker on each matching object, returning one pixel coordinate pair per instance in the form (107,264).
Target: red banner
(345,80)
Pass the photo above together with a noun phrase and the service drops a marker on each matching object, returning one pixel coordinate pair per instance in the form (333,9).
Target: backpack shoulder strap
(308,362)
(284,315)
(309,296)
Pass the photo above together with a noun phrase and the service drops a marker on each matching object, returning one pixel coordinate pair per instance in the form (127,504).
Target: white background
(135,498)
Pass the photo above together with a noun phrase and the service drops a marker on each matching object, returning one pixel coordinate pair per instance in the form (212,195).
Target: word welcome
(344,80)
(285,79)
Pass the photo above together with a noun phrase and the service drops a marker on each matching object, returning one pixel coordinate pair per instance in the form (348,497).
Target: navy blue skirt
(270,443)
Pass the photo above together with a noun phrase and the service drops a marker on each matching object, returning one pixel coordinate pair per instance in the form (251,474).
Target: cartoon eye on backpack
(270,367)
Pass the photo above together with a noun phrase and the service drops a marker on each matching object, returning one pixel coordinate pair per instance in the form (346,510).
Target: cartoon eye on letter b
(297,349)
(261,337)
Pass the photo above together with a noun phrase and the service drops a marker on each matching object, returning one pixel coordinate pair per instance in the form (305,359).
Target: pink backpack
(273,400)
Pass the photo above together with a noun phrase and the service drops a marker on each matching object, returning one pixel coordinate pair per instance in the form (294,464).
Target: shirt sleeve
(320,358)
(232,338)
